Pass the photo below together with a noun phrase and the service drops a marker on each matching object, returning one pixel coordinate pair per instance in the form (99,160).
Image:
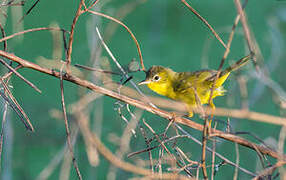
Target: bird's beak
(144,82)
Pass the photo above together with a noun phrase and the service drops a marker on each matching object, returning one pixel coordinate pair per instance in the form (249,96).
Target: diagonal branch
(246,30)
(20,76)
(129,31)
(205,22)
(142,105)
(16,106)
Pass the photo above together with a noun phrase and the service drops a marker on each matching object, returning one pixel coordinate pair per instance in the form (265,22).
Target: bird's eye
(156,78)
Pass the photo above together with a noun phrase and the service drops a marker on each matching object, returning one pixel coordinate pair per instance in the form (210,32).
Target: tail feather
(237,65)
(220,91)
(224,74)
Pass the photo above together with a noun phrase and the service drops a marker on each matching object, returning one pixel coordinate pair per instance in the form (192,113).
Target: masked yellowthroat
(185,86)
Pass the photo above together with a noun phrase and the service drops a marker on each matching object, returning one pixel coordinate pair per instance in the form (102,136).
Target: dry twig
(159,112)
(205,22)
(67,127)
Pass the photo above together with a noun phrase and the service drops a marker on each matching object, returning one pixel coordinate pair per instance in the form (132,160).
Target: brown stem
(70,146)
(78,13)
(142,105)
(246,30)
(205,22)
(129,31)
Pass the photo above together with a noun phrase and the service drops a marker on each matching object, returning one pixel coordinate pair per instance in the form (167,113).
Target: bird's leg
(191,114)
(190,111)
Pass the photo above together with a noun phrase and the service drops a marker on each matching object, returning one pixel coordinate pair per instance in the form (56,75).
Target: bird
(191,88)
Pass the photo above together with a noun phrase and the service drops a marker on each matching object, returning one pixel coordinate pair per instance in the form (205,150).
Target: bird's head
(159,79)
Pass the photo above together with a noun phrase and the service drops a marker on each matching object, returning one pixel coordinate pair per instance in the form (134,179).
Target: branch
(15,106)
(142,105)
(95,141)
(205,22)
(20,76)
(70,146)
(32,30)
(246,30)
(129,31)
(78,13)
(269,170)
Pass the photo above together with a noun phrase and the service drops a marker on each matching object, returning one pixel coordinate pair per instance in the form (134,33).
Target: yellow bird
(191,88)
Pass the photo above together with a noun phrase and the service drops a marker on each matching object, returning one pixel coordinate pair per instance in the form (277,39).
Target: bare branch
(205,22)
(31,30)
(20,76)
(70,146)
(246,30)
(18,109)
(159,112)
(129,31)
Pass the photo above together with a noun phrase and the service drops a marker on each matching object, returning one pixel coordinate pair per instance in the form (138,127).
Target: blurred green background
(169,35)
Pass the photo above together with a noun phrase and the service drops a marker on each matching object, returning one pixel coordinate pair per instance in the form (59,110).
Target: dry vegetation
(169,161)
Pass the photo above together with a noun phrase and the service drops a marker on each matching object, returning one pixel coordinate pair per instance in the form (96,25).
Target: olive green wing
(197,79)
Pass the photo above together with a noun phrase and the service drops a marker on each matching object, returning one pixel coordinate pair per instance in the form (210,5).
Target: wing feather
(186,80)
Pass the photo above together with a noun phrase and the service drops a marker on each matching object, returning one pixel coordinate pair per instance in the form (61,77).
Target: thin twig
(67,158)
(29,10)
(235,175)
(67,127)
(20,76)
(102,149)
(212,90)
(225,53)
(12,3)
(120,67)
(3,36)
(159,112)
(204,145)
(4,117)
(18,109)
(213,155)
(281,143)
(31,30)
(165,148)
(92,5)
(217,154)
(246,30)
(148,147)
(205,22)
(69,50)
(269,170)
(204,136)
(153,147)
(129,31)
(9,74)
